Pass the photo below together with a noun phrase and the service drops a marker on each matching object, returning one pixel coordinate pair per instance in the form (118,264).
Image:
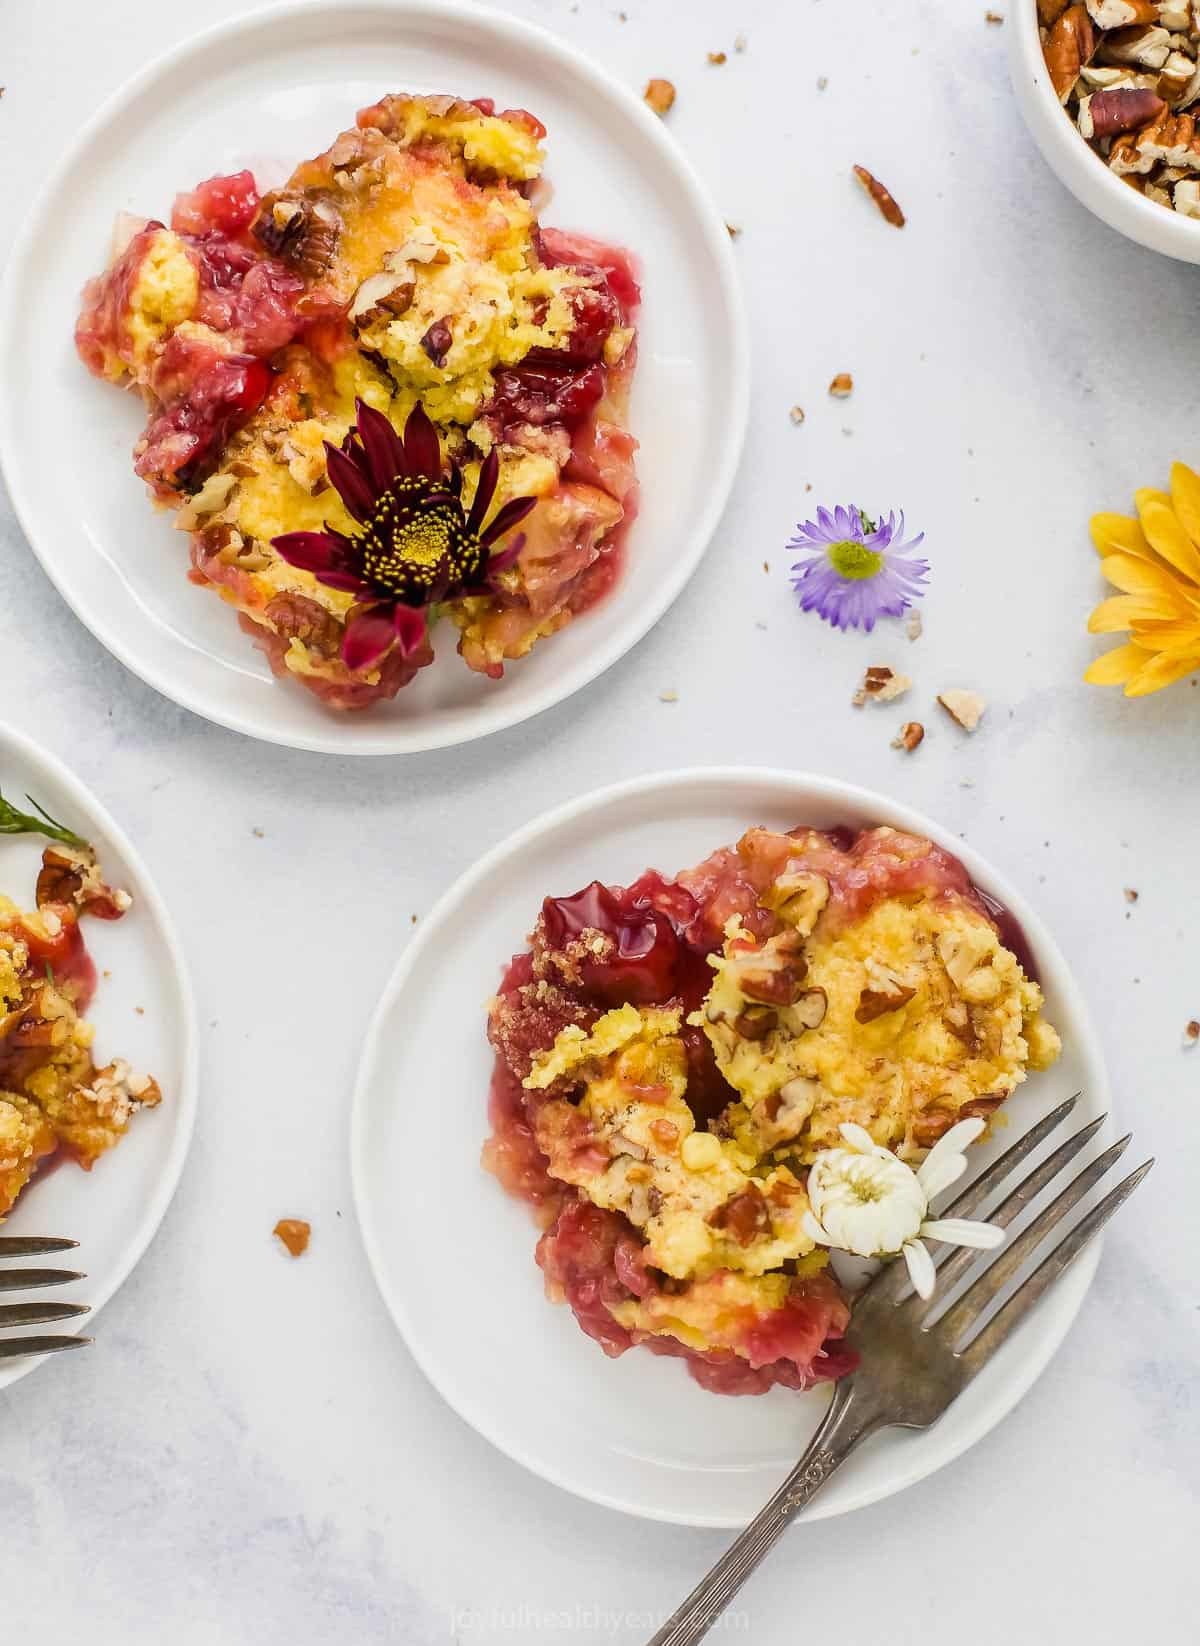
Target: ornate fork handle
(844,1425)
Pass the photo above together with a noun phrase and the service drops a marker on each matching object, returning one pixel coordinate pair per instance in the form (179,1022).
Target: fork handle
(844,1425)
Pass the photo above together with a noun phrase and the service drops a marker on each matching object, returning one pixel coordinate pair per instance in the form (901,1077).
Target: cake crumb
(965,708)
(294,1232)
(881,685)
(797,414)
(1131,895)
(915,626)
(1191,1033)
(716,58)
(670,696)
(259,834)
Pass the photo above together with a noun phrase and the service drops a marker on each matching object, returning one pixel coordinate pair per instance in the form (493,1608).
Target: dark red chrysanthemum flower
(417,544)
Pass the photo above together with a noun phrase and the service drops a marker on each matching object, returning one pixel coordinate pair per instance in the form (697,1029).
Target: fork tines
(36,1314)
(957,1321)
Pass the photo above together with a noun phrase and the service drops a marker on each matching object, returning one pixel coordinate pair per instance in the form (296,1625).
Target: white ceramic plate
(264,92)
(113,1210)
(634,1433)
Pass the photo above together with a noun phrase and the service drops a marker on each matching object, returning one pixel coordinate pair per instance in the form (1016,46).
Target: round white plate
(265,92)
(144,1013)
(634,1433)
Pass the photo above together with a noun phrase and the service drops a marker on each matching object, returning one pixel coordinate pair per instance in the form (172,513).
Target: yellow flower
(1155,562)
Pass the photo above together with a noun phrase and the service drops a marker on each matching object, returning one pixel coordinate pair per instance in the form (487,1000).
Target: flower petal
(1121,612)
(370,634)
(383,452)
(1185,499)
(347,582)
(485,490)
(963,1231)
(1161,671)
(1149,494)
(352,485)
(421,445)
(813,1230)
(1167,537)
(858,1137)
(312,551)
(409,625)
(504,558)
(512,513)
(1118,534)
(1133,576)
(945,1163)
(1178,634)
(1116,667)
(920,1268)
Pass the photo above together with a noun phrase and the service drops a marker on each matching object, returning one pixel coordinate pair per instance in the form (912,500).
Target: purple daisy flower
(856,572)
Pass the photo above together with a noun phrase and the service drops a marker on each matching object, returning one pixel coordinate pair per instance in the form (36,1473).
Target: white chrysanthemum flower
(866,1201)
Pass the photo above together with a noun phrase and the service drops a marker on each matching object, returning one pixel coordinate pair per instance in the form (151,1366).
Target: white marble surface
(248,1454)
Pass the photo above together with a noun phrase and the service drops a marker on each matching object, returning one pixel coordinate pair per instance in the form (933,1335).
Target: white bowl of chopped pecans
(1110,90)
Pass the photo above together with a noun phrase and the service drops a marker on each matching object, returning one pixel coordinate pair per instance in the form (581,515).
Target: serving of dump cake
(381,394)
(673,1056)
(54,1100)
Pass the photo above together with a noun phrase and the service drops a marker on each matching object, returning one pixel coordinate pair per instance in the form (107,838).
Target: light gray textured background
(248,1455)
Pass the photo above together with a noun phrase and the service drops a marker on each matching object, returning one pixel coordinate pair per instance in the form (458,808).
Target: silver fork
(915,1361)
(36,1314)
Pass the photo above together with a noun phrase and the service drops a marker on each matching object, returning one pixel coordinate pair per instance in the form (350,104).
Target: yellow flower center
(855,561)
(416,546)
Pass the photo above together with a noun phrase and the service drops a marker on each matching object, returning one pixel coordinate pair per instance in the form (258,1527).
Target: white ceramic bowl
(635,1433)
(1073,162)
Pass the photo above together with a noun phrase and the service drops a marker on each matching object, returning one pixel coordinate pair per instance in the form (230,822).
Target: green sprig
(13,821)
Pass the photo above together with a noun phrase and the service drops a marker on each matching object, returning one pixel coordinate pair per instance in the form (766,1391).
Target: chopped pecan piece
(659,95)
(889,208)
(302,233)
(881,685)
(756,1022)
(1108,113)
(1120,14)
(294,1232)
(437,341)
(873,1003)
(1068,47)
(910,736)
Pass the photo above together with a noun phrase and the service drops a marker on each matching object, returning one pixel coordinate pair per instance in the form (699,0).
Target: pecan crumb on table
(294,1232)
(889,208)
(911,734)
